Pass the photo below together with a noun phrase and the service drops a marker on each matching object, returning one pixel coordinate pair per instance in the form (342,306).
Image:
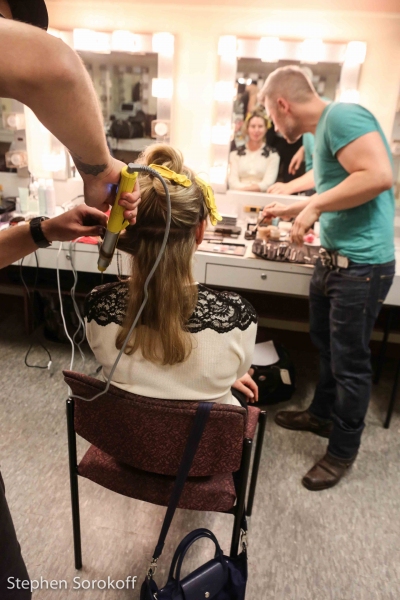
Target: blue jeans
(344,304)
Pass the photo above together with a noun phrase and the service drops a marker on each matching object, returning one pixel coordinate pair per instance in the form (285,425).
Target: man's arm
(16,242)
(300,184)
(370,173)
(42,72)
(285,211)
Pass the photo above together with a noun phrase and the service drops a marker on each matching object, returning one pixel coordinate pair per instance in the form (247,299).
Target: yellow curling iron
(116,222)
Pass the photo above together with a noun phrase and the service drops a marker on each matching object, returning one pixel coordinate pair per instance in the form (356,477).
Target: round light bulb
(161,129)
(12,121)
(16,159)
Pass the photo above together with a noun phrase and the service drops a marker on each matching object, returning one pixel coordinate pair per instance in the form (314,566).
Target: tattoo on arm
(88,169)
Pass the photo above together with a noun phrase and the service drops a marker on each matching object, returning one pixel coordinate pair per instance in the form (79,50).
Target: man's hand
(296,161)
(285,211)
(304,221)
(279,188)
(276,209)
(100,190)
(248,387)
(80,221)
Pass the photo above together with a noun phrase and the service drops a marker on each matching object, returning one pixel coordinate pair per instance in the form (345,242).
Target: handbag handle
(189,538)
(195,434)
(205,533)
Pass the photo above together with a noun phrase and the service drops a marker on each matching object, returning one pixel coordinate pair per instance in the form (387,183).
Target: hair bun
(163,154)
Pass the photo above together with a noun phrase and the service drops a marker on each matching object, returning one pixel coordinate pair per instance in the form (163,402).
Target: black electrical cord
(32,305)
(119,270)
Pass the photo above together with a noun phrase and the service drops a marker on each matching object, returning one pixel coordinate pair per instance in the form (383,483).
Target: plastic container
(33,204)
(23,194)
(50,198)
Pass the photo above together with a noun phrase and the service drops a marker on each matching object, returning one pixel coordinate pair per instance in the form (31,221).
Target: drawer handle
(263,276)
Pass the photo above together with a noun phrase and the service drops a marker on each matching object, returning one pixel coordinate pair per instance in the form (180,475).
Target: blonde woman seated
(191,343)
(254,166)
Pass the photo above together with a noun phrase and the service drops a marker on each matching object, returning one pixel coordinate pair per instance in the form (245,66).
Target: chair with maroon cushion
(137,445)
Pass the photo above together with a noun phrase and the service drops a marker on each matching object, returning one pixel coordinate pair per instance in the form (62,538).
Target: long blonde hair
(161,333)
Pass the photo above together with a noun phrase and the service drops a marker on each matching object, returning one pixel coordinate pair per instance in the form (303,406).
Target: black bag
(121,129)
(277,382)
(127,129)
(223,577)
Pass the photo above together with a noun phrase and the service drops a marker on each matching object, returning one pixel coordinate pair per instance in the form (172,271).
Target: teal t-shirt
(308,143)
(365,234)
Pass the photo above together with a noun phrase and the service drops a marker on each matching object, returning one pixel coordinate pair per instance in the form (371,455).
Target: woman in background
(254,166)
(191,343)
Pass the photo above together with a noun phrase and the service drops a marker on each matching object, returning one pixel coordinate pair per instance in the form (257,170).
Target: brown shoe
(326,473)
(302,420)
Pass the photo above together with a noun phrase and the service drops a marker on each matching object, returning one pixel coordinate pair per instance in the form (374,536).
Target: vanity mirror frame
(350,55)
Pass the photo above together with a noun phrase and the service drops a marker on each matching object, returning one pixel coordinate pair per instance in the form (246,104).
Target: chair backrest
(151,434)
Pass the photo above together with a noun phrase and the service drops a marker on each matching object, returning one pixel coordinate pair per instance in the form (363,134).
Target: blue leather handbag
(221,578)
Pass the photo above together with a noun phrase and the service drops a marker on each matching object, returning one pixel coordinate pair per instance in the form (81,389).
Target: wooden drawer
(261,280)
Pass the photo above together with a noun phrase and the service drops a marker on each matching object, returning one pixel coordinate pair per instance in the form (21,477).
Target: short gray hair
(290,82)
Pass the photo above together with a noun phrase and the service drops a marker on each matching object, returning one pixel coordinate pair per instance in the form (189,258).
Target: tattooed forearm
(88,169)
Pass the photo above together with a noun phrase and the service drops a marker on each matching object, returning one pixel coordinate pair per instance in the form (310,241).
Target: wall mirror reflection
(13,154)
(132,75)
(123,83)
(260,157)
(248,155)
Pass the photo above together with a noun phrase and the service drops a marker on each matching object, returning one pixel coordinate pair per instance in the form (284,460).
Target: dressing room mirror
(13,149)
(133,77)
(123,84)
(250,77)
(6,135)
(245,63)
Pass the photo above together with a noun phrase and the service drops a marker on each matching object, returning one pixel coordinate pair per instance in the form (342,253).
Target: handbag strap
(202,414)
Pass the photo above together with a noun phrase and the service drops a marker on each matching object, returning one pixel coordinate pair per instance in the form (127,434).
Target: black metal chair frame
(237,510)
(379,367)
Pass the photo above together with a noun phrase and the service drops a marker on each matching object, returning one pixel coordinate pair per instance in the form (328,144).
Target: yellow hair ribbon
(171,175)
(209,200)
(185,182)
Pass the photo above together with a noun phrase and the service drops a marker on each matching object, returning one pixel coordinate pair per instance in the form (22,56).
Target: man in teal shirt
(355,205)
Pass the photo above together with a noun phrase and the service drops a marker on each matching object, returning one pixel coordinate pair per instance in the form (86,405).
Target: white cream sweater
(259,166)
(223,328)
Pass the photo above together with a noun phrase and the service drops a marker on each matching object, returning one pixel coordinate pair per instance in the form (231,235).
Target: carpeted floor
(340,544)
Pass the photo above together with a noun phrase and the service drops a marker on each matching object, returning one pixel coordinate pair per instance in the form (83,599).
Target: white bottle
(50,198)
(42,197)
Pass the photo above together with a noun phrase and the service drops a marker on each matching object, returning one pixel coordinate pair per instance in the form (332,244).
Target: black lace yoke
(219,311)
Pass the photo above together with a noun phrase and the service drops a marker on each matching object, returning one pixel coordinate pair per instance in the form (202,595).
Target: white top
(223,327)
(259,166)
